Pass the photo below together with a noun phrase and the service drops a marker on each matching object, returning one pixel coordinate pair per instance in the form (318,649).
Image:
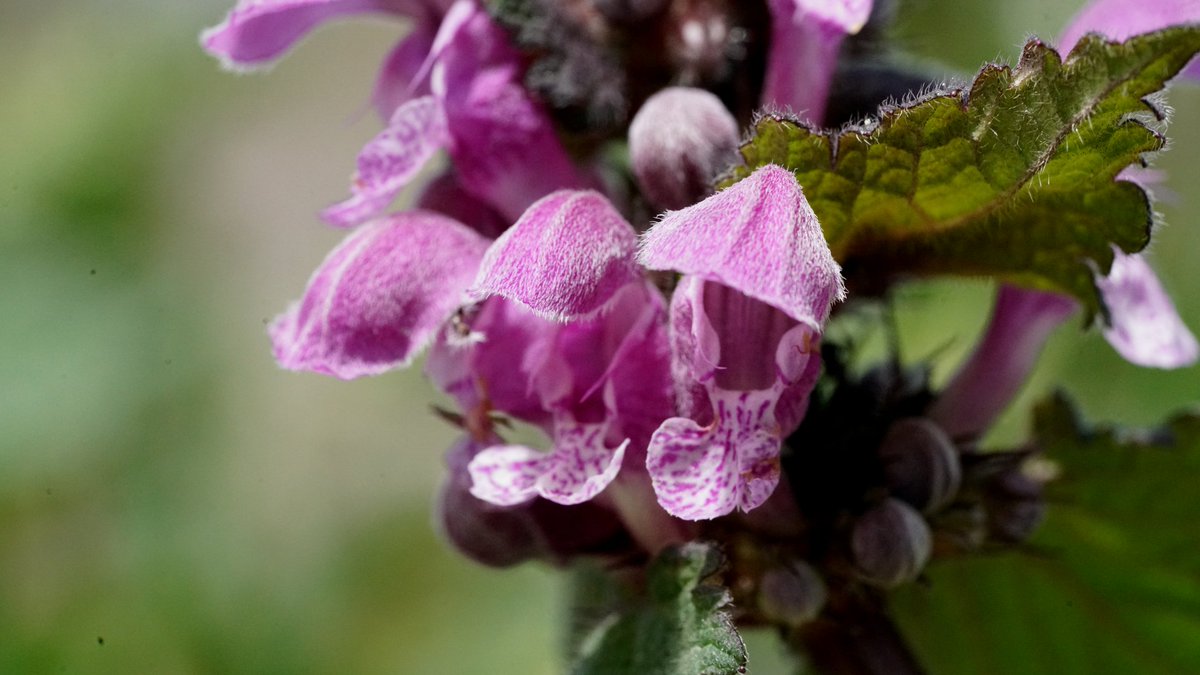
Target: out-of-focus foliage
(1110,584)
(170,502)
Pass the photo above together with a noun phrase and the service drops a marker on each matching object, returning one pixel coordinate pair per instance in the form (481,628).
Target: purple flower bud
(679,141)
(891,544)
(793,594)
(920,464)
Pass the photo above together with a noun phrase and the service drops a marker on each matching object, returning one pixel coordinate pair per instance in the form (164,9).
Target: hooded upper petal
(805,38)
(380,296)
(256,32)
(758,236)
(1145,328)
(565,257)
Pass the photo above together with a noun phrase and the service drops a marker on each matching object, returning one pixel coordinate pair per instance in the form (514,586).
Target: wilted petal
(578,469)
(1121,19)
(758,236)
(706,472)
(565,257)
(1145,329)
(805,38)
(416,131)
(399,79)
(257,31)
(379,297)
(679,140)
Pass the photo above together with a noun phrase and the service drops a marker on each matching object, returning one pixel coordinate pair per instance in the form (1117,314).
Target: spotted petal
(565,257)
(701,473)
(379,297)
(578,468)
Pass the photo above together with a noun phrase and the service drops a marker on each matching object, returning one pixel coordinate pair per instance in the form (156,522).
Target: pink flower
(746,321)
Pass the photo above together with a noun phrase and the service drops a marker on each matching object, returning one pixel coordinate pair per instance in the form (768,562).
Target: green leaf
(677,625)
(1014,178)
(1112,581)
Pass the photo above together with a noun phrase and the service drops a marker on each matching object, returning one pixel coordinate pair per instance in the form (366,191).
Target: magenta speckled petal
(379,297)
(578,468)
(700,472)
(258,31)
(805,38)
(1121,19)
(415,133)
(1145,329)
(399,79)
(758,236)
(565,257)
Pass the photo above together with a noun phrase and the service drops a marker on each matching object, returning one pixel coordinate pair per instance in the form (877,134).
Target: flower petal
(1022,321)
(258,31)
(445,194)
(758,236)
(500,536)
(578,468)
(1145,328)
(379,297)
(504,145)
(389,161)
(507,474)
(398,80)
(564,258)
(706,472)
(805,38)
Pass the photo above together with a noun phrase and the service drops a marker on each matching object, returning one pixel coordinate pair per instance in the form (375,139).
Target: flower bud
(793,593)
(891,544)
(679,141)
(920,464)
(1014,506)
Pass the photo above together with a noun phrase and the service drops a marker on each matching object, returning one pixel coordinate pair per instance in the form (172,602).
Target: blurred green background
(171,501)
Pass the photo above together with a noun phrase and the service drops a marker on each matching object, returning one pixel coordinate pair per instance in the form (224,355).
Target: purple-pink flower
(746,319)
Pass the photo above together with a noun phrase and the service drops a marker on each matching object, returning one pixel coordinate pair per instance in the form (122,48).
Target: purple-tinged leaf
(1122,19)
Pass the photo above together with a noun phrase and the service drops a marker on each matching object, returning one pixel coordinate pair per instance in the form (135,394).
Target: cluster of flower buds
(574,270)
